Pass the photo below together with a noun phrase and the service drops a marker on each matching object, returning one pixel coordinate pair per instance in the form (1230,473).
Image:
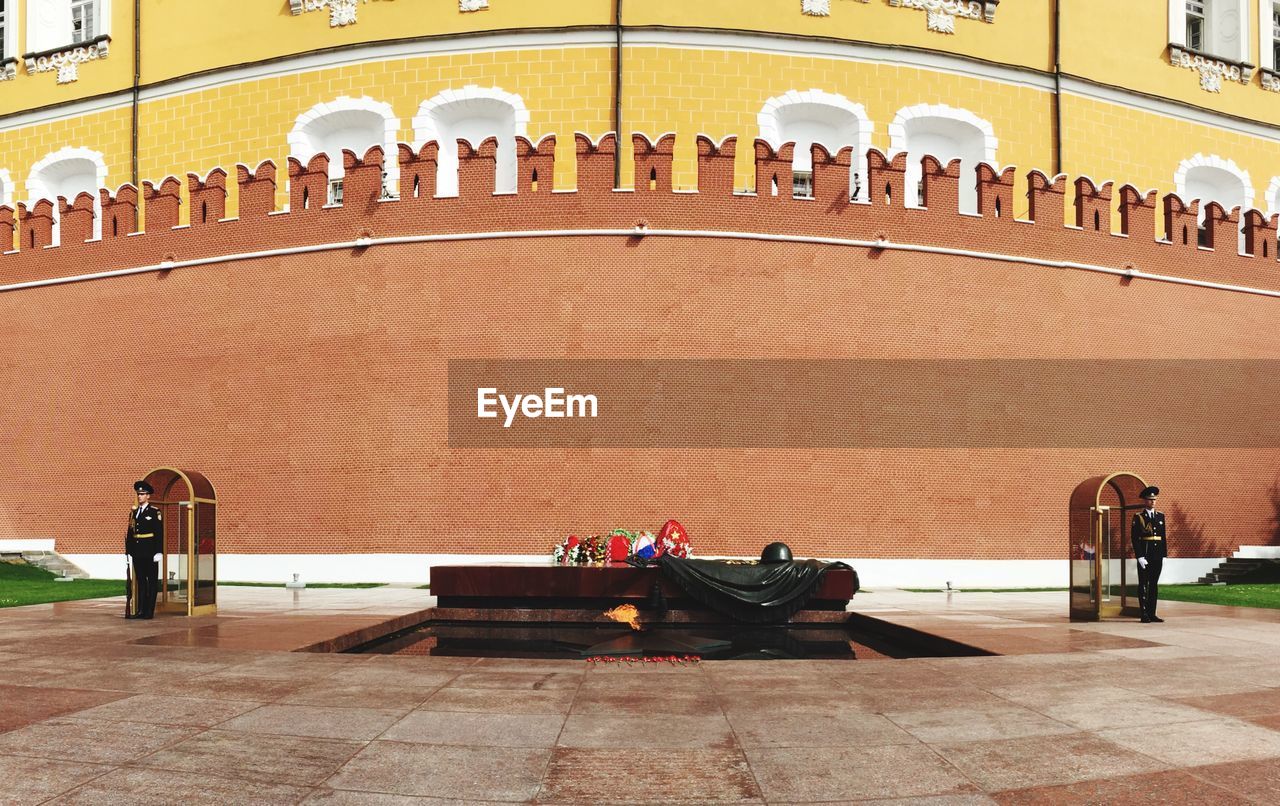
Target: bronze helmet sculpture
(776,552)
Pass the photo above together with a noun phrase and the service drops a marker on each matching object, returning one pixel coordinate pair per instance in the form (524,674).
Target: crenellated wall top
(1070,220)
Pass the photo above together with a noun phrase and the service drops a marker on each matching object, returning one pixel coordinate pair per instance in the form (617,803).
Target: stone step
(1240,569)
(54,563)
(1259,552)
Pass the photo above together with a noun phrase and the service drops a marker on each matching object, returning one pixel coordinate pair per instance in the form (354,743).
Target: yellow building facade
(1175,95)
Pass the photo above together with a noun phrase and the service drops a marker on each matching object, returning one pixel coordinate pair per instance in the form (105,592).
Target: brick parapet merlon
(1158,235)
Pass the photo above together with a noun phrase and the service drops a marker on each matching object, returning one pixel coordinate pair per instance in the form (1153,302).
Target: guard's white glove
(156,559)
(1142,563)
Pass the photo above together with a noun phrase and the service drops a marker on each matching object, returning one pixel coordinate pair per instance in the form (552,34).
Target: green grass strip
(1249,595)
(28,585)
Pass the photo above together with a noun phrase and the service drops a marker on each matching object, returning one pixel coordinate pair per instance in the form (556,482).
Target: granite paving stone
(973,799)
(1134,710)
(500,701)
(1245,705)
(937,726)
(1155,789)
(228,685)
(357,724)
(161,710)
(599,776)
(803,774)
(1192,743)
(477,730)
(1108,711)
(835,728)
(503,679)
(24,705)
(252,756)
(346,797)
(358,695)
(647,731)
(146,787)
(91,740)
(1043,761)
(645,701)
(26,781)
(469,773)
(1259,781)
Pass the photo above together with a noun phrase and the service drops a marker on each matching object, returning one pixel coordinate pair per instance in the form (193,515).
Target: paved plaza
(98,710)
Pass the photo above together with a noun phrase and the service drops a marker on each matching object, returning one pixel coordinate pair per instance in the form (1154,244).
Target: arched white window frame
(1221,164)
(1272,196)
(770,121)
(1213,161)
(426,127)
(37,187)
(6,193)
(303,137)
(968,181)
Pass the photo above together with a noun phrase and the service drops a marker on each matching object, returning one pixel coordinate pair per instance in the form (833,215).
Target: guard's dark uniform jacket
(1149,543)
(144,539)
(1148,536)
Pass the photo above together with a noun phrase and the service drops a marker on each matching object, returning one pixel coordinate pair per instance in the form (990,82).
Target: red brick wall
(310,389)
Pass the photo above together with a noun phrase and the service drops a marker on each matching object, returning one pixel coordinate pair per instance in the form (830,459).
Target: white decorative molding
(424,123)
(1270,81)
(956,126)
(941,14)
(1212,71)
(770,120)
(898,128)
(66,62)
(435,114)
(472,5)
(1200,160)
(819,8)
(311,128)
(42,179)
(8,69)
(341,12)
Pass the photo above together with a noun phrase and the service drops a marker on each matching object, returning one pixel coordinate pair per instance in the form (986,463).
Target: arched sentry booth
(1099,516)
(189,562)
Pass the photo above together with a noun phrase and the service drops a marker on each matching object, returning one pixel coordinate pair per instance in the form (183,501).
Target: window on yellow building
(1195,25)
(83,20)
(1274,46)
(59,24)
(1216,27)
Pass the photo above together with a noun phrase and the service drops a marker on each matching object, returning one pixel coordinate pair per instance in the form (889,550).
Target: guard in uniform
(143,541)
(1149,546)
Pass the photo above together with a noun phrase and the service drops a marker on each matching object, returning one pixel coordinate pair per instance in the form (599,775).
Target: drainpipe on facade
(1057,87)
(137,74)
(617,93)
